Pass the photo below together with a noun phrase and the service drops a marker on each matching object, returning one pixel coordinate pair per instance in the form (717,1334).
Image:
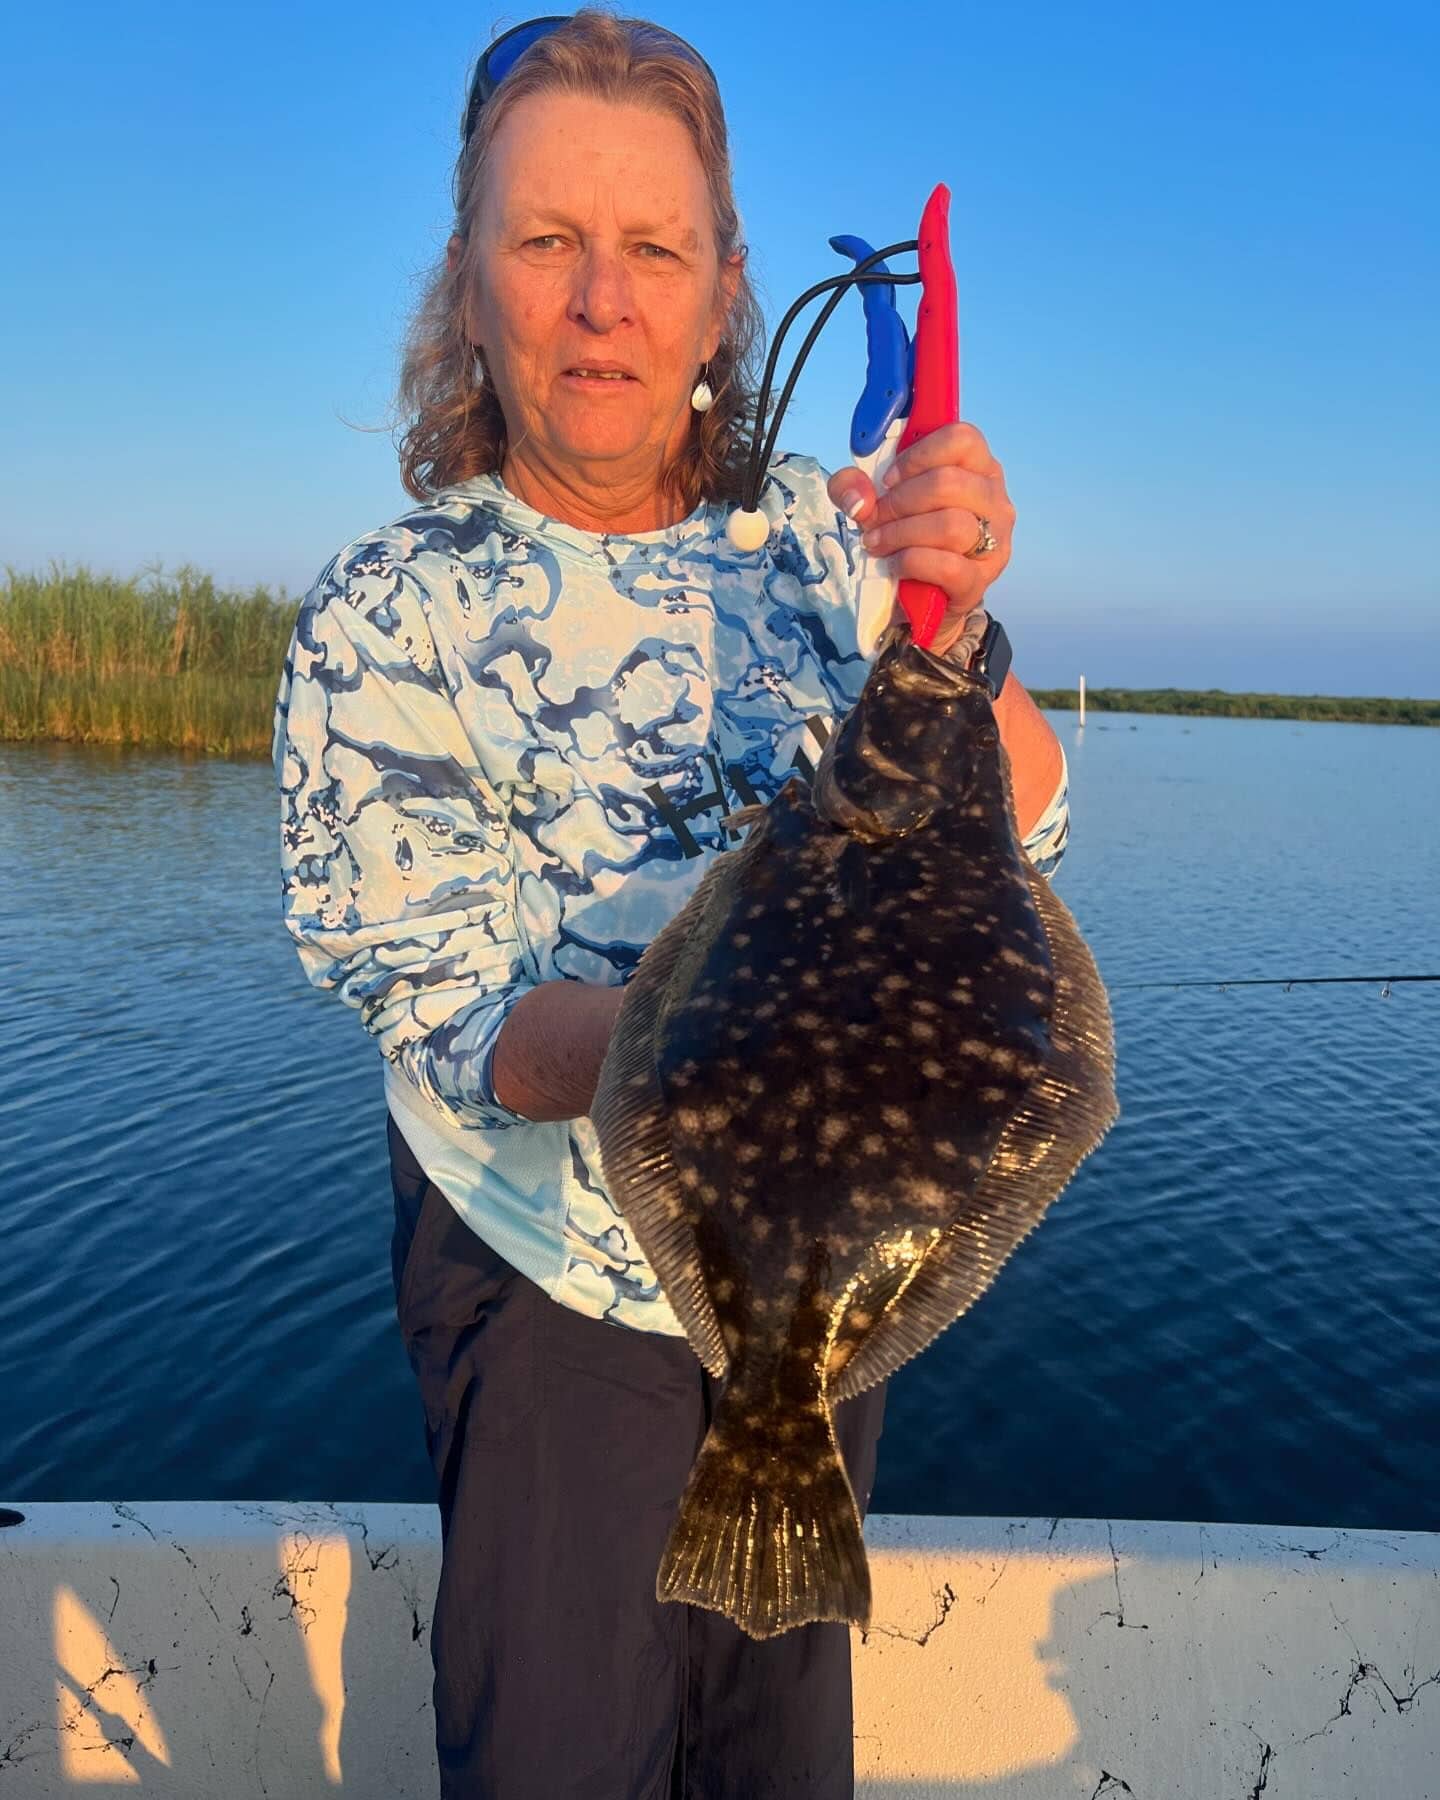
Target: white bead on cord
(747,530)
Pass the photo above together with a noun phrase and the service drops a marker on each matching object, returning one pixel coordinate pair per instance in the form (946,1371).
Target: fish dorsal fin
(631,1121)
(1068,1108)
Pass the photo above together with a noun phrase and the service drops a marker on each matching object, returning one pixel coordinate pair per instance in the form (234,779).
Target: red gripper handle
(935,399)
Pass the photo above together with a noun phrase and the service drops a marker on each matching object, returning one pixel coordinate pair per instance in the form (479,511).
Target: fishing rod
(1383,982)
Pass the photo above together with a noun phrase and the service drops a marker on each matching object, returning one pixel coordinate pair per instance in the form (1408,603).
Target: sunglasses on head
(501,57)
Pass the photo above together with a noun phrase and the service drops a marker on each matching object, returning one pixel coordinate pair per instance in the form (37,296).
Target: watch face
(992,660)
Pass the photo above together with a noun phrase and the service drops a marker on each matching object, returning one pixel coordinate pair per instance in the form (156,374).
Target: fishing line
(1383,982)
(762,443)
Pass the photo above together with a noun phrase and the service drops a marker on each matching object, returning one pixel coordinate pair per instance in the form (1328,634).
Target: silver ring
(985,543)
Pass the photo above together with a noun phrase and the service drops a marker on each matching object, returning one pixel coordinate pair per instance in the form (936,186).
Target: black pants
(562,1445)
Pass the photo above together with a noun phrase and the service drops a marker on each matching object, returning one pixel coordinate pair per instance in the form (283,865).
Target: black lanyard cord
(837,286)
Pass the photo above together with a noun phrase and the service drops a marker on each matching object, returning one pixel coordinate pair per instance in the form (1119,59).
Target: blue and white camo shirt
(504,748)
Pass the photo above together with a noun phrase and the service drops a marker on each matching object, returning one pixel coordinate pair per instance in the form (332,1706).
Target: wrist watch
(990,662)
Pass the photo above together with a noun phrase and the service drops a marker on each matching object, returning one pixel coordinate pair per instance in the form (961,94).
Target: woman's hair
(457,428)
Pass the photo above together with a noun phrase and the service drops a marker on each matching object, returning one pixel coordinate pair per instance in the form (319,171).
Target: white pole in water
(1082,699)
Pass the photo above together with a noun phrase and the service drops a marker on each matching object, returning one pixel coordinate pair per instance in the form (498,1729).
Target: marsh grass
(154,661)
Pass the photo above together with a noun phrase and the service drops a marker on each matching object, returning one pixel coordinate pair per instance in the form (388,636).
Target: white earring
(702,399)
(478,367)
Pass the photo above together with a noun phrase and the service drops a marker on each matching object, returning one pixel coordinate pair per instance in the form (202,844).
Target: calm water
(1231,1314)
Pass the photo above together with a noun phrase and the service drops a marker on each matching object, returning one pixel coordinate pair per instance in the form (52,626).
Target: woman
(511,724)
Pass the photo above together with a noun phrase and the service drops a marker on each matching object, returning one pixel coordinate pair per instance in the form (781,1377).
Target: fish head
(916,741)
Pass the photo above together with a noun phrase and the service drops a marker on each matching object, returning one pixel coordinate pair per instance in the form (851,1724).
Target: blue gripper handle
(890,360)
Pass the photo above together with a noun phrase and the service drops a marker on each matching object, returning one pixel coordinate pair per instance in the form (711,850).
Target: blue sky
(1196,248)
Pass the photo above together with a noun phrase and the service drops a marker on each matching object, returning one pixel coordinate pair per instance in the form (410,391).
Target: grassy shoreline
(177,663)
(1217,703)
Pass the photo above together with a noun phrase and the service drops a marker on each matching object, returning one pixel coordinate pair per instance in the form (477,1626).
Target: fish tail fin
(768,1531)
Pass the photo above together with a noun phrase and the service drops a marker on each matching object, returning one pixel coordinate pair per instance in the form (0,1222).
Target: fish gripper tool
(911,388)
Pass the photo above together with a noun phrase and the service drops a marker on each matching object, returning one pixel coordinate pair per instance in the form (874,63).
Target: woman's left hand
(928,515)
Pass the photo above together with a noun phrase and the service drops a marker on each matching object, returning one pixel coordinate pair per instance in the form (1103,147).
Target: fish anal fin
(1067,1109)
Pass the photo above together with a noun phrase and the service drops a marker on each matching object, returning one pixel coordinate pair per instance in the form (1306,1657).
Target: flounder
(845,1081)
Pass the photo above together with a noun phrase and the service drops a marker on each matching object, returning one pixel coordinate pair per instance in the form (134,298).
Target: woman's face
(594,245)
